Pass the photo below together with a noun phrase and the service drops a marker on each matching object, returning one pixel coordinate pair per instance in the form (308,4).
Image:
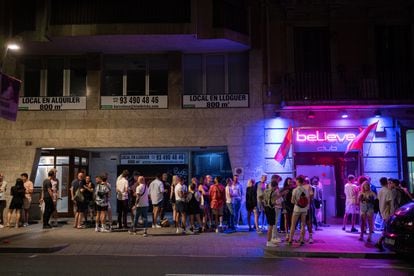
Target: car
(399,232)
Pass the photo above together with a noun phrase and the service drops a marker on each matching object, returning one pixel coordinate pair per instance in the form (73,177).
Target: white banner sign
(216,101)
(147,158)
(133,102)
(52,103)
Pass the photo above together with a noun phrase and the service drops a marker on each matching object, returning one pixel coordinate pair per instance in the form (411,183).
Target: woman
(217,196)
(101,201)
(18,193)
(194,199)
(203,188)
(142,204)
(366,199)
(287,211)
(172,200)
(251,203)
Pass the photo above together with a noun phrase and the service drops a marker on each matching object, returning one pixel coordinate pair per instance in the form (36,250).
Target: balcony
(335,88)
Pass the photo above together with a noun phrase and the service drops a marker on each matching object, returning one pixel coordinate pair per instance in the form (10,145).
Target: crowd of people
(207,204)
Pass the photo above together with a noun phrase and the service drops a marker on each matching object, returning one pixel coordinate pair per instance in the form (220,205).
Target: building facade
(209,87)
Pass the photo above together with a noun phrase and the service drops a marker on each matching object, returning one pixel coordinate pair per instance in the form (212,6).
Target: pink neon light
(323,136)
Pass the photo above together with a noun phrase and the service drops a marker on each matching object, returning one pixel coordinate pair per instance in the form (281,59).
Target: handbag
(79,197)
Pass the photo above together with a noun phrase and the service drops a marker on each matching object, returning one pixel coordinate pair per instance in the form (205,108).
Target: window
(54,77)
(32,78)
(135,76)
(214,74)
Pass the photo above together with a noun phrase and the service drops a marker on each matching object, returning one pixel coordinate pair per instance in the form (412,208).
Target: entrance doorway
(332,168)
(67,163)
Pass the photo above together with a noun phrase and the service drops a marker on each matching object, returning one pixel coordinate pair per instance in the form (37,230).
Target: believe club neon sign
(324,136)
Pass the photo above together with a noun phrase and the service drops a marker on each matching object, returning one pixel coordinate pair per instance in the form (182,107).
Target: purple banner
(9,97)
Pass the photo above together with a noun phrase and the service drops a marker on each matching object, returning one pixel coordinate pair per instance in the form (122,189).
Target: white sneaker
(25,224)
(1,226)
(153,226)
(97,229)
(145,235)
(276,240)
(178,231)
(217,230)
(158,226)
(270,244)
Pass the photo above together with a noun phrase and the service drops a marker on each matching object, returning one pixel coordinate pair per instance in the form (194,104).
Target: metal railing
(327,86)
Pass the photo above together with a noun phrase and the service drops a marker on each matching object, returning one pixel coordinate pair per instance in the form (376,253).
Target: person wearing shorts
(350,202)
(27,201)
(181,191)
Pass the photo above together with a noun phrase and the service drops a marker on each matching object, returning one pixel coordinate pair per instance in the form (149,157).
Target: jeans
(236,211)
(141,212)
(49,209)
(231,215)
(122,209)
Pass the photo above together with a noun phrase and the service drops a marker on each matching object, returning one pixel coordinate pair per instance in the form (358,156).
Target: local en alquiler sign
(52,103)
(148,158)
(216,101)
(133,102)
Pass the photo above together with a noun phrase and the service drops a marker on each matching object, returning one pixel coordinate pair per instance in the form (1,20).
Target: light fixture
(344,115)
(311,115)
(13,46)
(377,113)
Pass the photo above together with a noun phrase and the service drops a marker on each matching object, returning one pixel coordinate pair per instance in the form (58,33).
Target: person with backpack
(300,199)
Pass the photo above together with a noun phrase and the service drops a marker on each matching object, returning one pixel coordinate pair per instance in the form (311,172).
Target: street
(44,264)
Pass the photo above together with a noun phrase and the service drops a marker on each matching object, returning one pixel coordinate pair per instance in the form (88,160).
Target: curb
(50,249)
(268,253)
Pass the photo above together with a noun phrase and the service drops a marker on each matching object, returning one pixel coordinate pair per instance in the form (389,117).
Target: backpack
(303,200)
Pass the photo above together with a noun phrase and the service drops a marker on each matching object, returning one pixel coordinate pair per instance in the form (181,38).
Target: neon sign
(324,136)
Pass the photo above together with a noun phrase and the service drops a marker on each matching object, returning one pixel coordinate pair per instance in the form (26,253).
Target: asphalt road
(49,264)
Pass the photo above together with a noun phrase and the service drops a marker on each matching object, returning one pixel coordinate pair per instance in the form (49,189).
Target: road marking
(33,256)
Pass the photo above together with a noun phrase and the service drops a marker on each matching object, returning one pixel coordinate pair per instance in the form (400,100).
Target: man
(156,191)
(260,188)
(89,202)
(300,199)
(3,189)
(236,198)
(167,191)
(79,205)
(386,207)
(101,200)
(181,192)
(217,197)
(122,199)
(28,186)
(46,197)
(311,209)
(350,202)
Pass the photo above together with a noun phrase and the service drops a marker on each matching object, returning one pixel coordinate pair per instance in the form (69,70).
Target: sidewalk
(65,240)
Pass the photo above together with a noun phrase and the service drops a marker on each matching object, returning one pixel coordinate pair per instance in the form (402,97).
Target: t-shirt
(237,192)
(385,202)
(295,198)
(142,196)
(28,185)
(350,193)
(217,195)
(102,194)
(3,187)
(228,194)
(156,191)
(46,186)
(260,188)
(180,188)
(122,188)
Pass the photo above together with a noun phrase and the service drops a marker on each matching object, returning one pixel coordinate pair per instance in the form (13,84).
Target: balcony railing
(348,86)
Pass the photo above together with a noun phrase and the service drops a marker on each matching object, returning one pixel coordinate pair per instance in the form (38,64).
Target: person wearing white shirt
(350,202)
(156,191)
(122,199)
(300,210)
(141,204)
(181,191)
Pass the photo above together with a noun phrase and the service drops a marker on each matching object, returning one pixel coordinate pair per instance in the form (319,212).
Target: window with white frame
(54,77)
(135,76)
(215,74)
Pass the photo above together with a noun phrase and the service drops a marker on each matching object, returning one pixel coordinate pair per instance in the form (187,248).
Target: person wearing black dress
(18,193)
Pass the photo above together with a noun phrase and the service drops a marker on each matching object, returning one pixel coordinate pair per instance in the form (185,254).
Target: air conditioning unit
(239,171)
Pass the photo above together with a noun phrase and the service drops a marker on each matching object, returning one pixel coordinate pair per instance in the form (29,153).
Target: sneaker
(97,229)
(158,226)
(270,244)
(145,235)
(310,240)
(25,224)
(104,230)
(153,226)
(259,231)
(1,226)
(276,240)
(178,231)
(354,230)
(217,230)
